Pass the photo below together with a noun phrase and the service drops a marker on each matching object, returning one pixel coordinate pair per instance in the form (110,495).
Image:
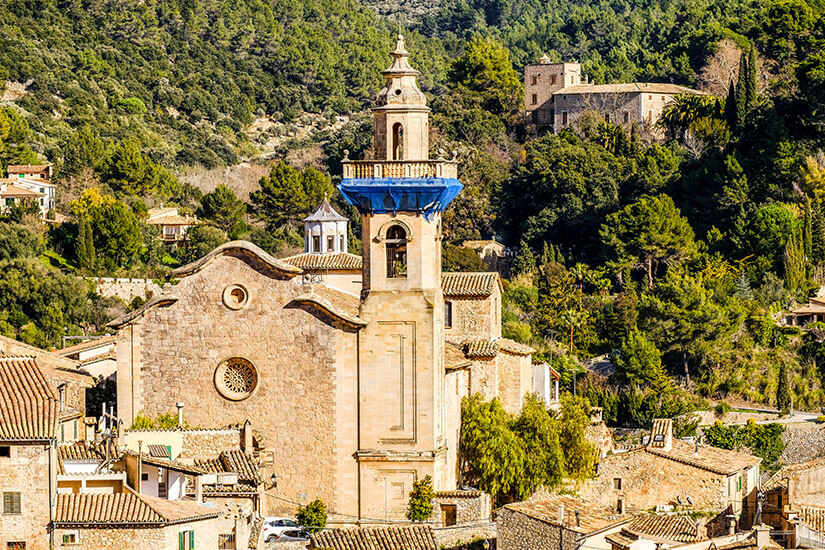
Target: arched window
(396,252)
(397,141)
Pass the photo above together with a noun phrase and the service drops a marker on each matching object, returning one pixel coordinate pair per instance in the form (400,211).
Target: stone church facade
(356,396)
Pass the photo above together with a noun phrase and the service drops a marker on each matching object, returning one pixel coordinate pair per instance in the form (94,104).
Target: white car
(274,527)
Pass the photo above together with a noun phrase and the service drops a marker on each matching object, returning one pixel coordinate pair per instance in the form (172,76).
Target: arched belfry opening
(397,141)
(396,244)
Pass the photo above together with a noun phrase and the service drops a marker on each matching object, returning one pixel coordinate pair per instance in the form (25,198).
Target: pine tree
(742,91)
(730,106)
(751,80)
(525,261)
(783,390)
(85,249)
(743,288)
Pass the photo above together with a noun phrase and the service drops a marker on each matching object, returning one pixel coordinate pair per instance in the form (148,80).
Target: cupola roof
(325,213)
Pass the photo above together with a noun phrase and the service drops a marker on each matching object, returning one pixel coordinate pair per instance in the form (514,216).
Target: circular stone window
(235,297)
(236,378)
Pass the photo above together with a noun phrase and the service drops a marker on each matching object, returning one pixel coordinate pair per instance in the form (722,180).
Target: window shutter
(180,541)
(192,539)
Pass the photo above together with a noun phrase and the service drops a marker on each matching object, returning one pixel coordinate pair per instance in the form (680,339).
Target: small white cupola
(325,230)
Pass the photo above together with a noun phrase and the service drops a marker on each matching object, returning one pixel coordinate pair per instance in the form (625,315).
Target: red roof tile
(341,260)
(414,537)
(28,404)
(469,285)
(126,508)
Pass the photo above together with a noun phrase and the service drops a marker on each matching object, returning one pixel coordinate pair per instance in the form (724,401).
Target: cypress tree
(742,90)
(817,234)
(808,230)
(526,260)
(794,263)
(547,256)
(783,390)
(86,255)
(751,81)
(730,106)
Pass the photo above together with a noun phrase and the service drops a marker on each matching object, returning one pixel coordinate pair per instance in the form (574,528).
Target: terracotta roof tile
(481,243)
(84,450)
(28,404)
(713,459)
(235,461)
(27,168)
(17,191)
(126,508)
(469,285)
(88,344)
(669,528)
(174,465)
(516,348)
(413,537)
(341,260)
(592,516)
(480,349)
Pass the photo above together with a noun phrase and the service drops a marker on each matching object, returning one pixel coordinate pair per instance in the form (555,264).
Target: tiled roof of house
(85,450)
(780,478)
(516,348)
(15,191)
(413,537)
(712,459)
(469,285)
(88,344)
(158,451)
(235,461)
(173,465)
(28,404)
(126,508)
(27,168)
(340,304)
(454,357)
(630,87)
(481,349)
(341,260)
(481,243)
(325,213)
(592,517)
(668,528)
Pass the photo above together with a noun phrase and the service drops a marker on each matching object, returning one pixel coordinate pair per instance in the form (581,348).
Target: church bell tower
(400,195)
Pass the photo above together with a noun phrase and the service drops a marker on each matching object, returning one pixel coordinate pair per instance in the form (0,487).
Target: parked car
(293,535)
(273,527)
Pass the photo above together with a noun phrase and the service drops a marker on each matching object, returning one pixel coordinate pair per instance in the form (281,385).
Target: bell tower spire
(401,112)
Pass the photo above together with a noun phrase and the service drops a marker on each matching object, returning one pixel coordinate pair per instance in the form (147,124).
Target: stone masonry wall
(472,320)
(125,289)
(649,480)
(26,471)
(292,347)
(208,443)
(803,441)
(517,531)
(147,538)
(450,537)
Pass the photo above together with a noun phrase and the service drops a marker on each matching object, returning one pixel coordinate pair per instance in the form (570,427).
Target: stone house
(812,312)
(794,500)
(560,522)
(555,97)
(129,521)
(35,178)
(655,531)
(13,193)
(95,356)
(358,393)
(29,410)
(671,472)
(173,226)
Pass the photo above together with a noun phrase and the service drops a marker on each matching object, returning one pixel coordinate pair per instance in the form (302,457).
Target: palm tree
(579,271)
(574,319)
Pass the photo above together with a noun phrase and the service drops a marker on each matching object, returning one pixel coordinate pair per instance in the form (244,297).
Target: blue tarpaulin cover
(391,195)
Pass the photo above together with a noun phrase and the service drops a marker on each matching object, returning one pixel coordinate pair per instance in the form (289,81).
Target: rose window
(236,378)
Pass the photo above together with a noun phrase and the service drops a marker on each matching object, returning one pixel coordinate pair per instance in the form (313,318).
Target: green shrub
(722,408)
(420,507)
(821,418)
(313,516)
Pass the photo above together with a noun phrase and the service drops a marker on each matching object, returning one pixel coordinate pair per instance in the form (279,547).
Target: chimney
(561,513)
(179,405)
(763,535)
(246,437)
(731,524)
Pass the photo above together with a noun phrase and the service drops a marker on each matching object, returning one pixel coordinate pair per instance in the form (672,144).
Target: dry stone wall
(125,289)
(517,531)
(803,441)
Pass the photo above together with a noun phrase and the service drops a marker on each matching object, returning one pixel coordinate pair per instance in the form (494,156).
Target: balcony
(440,168)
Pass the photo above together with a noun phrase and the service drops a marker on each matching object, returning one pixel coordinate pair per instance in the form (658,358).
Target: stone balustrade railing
(400,169)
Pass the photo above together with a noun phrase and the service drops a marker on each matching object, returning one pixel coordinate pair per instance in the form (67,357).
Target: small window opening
(535,80)
(396,252)
(316,244)
(448,314)
(552,79)
(397,141)
(620,506)
(617,483)
(330,243)
(626,117)
(11,503)
(144,477)
(534,99)
(5,452)
(340,243)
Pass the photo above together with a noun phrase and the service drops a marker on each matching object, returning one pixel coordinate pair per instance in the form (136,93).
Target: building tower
(400,196)
(325,230)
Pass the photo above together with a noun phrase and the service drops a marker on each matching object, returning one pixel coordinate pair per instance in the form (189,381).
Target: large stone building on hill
(353,379)
(555,97)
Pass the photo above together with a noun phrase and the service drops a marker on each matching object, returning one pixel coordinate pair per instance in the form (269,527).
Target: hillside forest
(672,258)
